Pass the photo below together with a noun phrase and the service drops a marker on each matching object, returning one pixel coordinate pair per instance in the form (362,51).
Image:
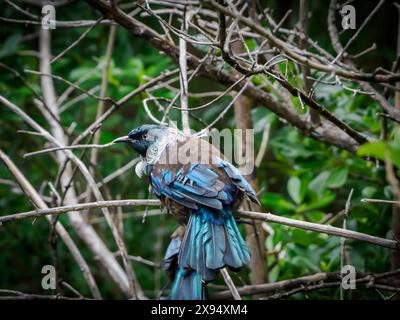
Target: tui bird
(201,190)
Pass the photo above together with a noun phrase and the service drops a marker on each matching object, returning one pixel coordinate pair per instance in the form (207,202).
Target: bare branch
(230,284)
(60,24)
(268,217)
(305,283)
(36,199)
(73,44)
(183,75)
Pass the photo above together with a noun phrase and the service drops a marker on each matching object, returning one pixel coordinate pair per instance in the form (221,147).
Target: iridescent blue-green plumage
(187,285)
(212,239)
(203,197)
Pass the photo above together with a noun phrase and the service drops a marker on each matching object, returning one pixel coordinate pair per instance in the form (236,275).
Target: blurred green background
(299,177)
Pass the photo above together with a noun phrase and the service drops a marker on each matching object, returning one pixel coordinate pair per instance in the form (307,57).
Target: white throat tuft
(153,154)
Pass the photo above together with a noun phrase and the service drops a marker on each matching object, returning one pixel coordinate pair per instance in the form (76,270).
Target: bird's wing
(238,180)
(200,184)
(197,184)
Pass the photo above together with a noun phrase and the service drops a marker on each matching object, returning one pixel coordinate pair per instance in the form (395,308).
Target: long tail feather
(187,286)
(211,242)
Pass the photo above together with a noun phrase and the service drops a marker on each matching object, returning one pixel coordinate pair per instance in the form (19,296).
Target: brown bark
(255,235)
(85,231)
(395,255)
(326,132)
(304,5)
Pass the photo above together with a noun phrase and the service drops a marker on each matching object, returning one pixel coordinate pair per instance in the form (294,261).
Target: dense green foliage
(299,177)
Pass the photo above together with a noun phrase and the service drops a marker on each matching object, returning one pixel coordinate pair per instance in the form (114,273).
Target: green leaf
(380,150)
(373,149)
(319,183)
(337,178)
(368,192)
(273,274)
(294,189)
(305,261)
(301,237)
(10,45)
(326,199)
(334,256)
(394,151)
(277,202)
(315,216)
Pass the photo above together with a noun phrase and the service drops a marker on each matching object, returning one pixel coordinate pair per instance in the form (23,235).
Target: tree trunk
(255,235)
(395,254)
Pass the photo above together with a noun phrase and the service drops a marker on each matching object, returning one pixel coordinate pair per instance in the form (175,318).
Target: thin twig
(359,29)
(36,199)
(343,240)
(380,201)
(76,146)
(230,284)
(183,75)
(73,44)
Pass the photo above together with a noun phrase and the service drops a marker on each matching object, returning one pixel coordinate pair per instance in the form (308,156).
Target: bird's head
(144,137)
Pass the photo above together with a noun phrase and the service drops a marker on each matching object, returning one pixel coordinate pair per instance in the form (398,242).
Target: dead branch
(268,217)
(36,199)
(303,283)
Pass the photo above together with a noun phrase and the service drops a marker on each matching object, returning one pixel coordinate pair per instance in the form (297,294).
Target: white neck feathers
(153,154)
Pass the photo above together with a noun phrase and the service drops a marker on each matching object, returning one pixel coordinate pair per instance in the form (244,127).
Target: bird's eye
(144,136)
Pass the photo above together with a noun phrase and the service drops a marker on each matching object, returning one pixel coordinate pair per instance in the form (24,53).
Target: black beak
(123,139)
